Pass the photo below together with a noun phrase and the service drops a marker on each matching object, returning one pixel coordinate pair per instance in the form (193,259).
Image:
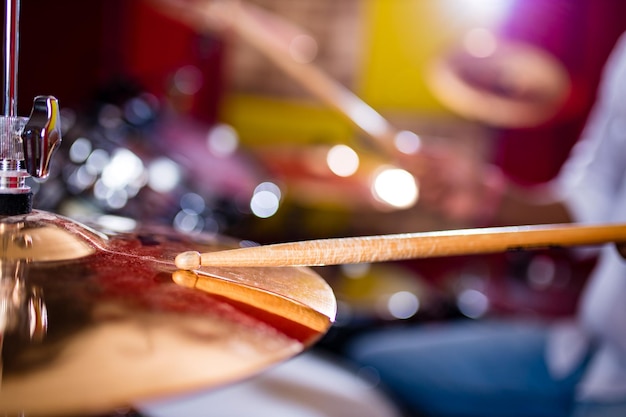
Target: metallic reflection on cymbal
(37,238)
(113,322)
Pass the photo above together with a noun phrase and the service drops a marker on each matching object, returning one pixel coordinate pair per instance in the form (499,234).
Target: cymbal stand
(26,144)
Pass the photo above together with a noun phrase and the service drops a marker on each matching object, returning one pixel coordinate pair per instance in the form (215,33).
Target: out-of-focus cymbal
(514,85)
(107,320)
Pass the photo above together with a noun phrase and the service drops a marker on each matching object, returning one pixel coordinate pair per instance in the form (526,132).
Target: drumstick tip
(188,260)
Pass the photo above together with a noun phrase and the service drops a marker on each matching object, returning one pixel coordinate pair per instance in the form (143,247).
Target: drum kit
(93,318)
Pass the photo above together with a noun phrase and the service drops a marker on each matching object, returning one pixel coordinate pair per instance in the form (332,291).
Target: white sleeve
(595,170)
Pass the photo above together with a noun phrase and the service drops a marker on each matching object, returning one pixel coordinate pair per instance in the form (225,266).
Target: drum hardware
(27,144)
(175,179)
(92,320)
(512,102)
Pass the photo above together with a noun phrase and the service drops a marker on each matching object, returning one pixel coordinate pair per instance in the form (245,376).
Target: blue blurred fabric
(469,368)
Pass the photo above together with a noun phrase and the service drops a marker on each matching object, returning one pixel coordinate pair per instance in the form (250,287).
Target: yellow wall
(400,37)
(404,35)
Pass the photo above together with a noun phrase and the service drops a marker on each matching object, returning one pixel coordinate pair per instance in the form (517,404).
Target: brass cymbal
(515,85)
(93,320)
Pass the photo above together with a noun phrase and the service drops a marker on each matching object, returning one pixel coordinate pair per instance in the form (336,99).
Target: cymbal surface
(105,319)
(517,85)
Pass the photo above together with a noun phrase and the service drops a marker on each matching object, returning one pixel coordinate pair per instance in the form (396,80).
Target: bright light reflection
(192,203)
(395,187)
(163,175)
(265,200)
(480,42)
(403,305)
(269,186)
(80,150)
(123,169)
(97,160)
(117,223)
(472,303)
(264,204)
(116,198)
(222,140)
(188,222)
(342,160)
(484,12)
(367,119)
(37,314)
(82,178)
(100,191)
(407,142)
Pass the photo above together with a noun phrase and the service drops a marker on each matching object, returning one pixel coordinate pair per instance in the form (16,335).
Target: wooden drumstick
(271,35)
(407,246)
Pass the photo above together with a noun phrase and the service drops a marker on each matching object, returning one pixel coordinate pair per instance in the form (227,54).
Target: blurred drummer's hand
(461,188)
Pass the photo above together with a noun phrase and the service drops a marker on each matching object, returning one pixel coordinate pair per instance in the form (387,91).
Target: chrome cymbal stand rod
(26,144)
(11,55)
(12,172)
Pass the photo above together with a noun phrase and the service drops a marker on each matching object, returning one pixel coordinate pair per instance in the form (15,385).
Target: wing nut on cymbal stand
(26,144)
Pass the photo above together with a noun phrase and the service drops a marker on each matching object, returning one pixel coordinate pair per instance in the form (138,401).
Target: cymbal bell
(93,320)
